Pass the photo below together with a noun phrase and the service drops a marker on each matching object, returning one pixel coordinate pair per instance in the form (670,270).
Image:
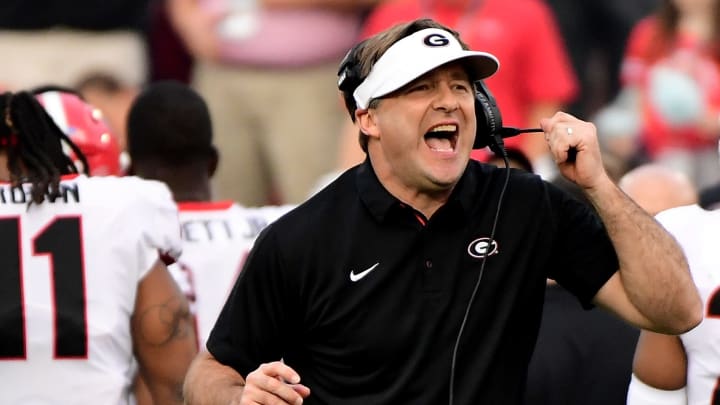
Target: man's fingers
(269,390)
(301,389)
(278,370)
(561,139)
(274,383)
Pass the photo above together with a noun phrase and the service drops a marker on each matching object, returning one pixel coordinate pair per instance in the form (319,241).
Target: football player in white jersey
(685,369)
(83,288)
(170,139)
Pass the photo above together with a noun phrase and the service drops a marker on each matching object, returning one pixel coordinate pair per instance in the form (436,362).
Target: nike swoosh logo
(355,277)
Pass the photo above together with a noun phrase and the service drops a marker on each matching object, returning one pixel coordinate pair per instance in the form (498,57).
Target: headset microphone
(490,130)
(507,132)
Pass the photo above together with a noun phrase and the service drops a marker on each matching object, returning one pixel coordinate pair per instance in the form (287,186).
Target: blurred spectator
(61,42)
(671,71)
(268,73)
(535,78)
(618,125)
(169,58)
(595,33)
(709,197)
(656,188)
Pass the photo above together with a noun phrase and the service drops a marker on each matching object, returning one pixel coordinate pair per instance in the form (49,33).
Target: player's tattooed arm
(163,335)
(161,323)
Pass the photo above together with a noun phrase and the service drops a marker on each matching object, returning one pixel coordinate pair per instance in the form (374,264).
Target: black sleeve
(584,257)
(255,320)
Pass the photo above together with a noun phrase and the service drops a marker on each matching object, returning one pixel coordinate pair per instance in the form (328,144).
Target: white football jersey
(698,232)
(216,237)
(69,271)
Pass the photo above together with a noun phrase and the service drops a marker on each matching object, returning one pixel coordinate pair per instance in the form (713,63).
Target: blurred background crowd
(645,72)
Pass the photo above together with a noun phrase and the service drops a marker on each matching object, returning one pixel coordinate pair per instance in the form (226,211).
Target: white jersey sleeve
(159,222)
(698,232)
(640,393)
(70,271)
(217,237)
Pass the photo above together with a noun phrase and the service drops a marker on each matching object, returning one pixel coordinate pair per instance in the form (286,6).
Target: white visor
(415,55)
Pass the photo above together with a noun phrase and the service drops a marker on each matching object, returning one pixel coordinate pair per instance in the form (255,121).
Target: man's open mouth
(442,138)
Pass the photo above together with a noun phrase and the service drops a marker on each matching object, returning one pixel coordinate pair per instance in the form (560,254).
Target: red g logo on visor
(436,40)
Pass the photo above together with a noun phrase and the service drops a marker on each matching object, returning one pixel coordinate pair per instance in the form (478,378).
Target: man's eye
(419,87)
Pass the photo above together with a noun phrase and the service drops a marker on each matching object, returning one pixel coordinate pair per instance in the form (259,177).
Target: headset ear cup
(487,116)
(347,86)
(349,77)
(482,133)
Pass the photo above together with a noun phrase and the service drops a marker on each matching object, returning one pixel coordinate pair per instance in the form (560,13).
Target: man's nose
(445,99)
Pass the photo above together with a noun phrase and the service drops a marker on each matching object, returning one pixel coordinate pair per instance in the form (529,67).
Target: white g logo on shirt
(482,247)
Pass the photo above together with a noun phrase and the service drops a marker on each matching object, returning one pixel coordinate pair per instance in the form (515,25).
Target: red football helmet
(85,126)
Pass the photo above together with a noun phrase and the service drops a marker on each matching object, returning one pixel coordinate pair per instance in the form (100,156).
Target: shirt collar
(379,201)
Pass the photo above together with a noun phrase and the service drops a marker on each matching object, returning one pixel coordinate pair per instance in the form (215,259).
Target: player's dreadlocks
(34,145)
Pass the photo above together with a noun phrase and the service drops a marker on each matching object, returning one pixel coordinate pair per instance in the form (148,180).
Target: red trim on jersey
(166,258)
(204,205)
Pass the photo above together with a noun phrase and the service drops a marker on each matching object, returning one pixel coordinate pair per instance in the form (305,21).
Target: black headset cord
(498,146)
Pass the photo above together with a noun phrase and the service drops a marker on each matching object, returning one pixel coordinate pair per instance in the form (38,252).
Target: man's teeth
(442,142)
(444,128)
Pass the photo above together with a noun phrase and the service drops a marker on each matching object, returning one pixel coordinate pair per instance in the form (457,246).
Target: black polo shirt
(364,298)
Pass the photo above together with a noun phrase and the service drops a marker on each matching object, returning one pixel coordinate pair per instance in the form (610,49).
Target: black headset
(487,115)
(349,77)
(487,118)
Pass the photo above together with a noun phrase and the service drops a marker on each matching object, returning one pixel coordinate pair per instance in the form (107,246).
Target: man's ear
(213,161)
(367,123)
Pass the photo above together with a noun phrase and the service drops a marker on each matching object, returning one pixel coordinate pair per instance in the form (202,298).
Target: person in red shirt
(672,68)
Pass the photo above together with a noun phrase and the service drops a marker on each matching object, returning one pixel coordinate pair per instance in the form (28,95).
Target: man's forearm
(208,383)
(653,268)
